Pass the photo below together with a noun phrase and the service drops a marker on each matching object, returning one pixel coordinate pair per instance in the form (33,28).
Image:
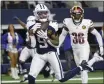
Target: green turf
(91,75)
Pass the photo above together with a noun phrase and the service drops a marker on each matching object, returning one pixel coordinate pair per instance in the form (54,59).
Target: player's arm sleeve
(98,37)
(95,32)
(21,23)
(63,34)
(53,37)
(62,37)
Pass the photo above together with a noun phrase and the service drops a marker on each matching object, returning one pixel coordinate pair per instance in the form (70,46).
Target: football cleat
(25,77)
(85,66)
(53,77)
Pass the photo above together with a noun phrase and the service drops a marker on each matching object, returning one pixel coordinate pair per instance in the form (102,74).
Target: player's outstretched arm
(99,39)
(97,35)
(20,22)
(63,33)
(62,37)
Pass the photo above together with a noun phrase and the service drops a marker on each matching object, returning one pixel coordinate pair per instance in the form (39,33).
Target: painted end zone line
(47,80)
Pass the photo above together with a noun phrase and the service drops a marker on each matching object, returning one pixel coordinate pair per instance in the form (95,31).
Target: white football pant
(81,54)
(40,60)
(26,53)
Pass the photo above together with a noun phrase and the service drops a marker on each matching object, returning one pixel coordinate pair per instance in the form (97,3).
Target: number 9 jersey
(42,46)
(78,33)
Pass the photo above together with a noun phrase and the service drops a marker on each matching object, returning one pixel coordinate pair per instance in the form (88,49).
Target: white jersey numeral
(42,43)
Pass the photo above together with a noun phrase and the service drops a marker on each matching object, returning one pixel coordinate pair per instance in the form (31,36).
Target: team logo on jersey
(83,27)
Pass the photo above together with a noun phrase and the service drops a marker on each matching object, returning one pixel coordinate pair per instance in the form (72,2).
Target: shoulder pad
(66,20)
(54,24)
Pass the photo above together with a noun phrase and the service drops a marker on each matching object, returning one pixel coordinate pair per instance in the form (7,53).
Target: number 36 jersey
(78,33)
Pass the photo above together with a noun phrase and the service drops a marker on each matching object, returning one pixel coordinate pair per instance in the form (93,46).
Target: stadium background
(9,11)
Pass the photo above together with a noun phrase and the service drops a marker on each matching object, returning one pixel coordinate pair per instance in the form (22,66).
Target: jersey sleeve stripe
(60,66)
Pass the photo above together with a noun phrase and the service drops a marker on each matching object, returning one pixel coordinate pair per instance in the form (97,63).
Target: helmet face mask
(41,12)
(77,14)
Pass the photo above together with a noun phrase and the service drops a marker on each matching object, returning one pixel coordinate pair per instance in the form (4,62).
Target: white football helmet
(31,18)
(30,21)
(41,13)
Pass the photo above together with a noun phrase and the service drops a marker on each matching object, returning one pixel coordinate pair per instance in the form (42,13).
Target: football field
(94,78)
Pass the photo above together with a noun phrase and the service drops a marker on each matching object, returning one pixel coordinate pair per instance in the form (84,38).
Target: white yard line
(48,80)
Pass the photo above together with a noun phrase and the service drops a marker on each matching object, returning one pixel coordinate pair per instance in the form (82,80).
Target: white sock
(84,76)
(93,60)
(13,72)
(16,72)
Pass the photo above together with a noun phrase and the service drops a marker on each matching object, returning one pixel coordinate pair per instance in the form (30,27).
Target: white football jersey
(30,21)
(78,33)
(32,39)
(54,25)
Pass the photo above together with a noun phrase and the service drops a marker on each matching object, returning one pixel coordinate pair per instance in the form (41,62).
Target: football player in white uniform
(29,49)
(30,39)
(46,42)
(78,28)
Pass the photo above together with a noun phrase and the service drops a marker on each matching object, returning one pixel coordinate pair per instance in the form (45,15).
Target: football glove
(36,26)
(101,51)
(42,34)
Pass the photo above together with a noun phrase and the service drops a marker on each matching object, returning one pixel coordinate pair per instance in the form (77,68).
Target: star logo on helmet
(83,27)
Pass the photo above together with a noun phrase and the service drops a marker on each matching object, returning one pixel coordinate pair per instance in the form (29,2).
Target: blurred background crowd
(50,4)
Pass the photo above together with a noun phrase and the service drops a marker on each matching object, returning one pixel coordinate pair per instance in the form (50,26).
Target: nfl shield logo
(83,27)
